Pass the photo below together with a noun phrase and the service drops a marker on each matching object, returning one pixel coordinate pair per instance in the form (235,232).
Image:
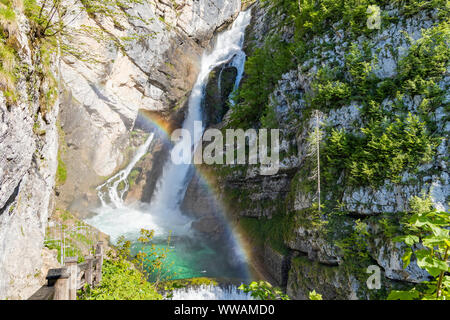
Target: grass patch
(61,171)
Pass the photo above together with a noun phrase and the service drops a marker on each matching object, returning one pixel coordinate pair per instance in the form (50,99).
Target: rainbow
(156,122)
(163,126)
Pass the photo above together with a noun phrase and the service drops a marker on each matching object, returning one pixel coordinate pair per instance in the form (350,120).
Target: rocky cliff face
(152,69)
(28,160)
(149,61)
(146,60)
(280,208)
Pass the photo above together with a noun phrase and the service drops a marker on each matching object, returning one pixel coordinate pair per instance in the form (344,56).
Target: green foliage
(269,118)
(8,66)
(134,174)
(327,91)
(390,224)
(316,17)
(7,13)
(384,150)
(51,31)
(8,47)
(51,18)
(275,230)
(354,246)
(263,290)
(425,65)
(61,171)
(412,7)
(430,229)
(263,69)
(147,259)
(49,86)
(125,277)
(389,143)
(315,296)
(359,64)
(387,139)
(353,238)
(121,281)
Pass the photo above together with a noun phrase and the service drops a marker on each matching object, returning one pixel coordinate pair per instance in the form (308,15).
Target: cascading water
(114,217)
(173,183)
(210,293)
(163,214)
(110,187)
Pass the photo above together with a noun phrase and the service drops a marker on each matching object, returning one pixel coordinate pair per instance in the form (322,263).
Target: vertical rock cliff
(28,161)
(363,83)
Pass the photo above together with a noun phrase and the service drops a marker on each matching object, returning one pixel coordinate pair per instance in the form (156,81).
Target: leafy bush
(412,7)
(429,228)
(121,281)
(8,46)
(329,94)
(354,248)
(134,174)
(315,17)
(359,63)
(263,290)
(313,295)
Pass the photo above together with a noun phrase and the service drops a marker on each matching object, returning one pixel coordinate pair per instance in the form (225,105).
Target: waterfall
(210,292)
(115,218)
(173,183)
(163,214)
(110,187)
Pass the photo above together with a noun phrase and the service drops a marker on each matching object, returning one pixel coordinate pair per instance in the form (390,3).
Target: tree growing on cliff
(55,31)
(314,140)
(54,17)
(55,21)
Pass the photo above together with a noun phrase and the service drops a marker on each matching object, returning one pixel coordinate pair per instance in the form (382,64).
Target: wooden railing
(63,283)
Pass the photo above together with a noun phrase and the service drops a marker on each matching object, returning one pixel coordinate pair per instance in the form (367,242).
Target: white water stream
(210,293)
(110,187)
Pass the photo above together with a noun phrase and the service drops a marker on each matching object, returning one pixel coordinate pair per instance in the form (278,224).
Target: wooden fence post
(59,278)
(99,262)
(89,271)
(72,268)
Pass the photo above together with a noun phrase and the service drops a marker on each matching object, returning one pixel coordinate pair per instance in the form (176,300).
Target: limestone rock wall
(28,161)
(320,264)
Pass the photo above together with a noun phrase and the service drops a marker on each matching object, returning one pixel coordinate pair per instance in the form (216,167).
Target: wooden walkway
(63,283)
